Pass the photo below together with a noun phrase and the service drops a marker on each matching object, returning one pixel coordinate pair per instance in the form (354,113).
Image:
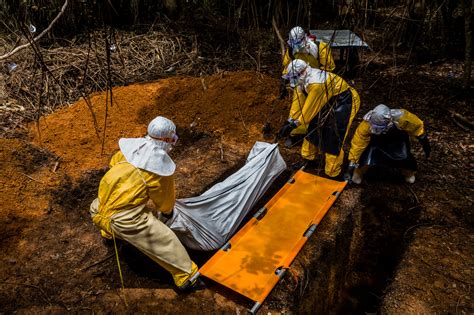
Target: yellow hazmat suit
(314,106)
(403,120)
(120,211)
(322,59)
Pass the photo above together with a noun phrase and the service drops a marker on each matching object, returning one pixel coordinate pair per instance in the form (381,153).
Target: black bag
(329,126)
(391,149)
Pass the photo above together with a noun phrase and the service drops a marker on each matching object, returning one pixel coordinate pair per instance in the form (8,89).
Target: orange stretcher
(256,258)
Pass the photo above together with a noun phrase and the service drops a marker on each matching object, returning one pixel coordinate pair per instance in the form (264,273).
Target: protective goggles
(378,128)
(296,43)
(171,140)
(294,80)
(293,77)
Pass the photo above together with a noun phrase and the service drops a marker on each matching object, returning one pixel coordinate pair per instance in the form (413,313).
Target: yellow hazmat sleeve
(411,124)
(117,157)
(325,57)
(360,141)
(161,191)
(297,103)
(286,61)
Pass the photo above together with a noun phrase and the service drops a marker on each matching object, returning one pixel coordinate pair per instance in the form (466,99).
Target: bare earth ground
(383,245)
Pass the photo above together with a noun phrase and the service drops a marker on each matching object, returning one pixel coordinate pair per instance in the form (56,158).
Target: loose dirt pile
(230,106)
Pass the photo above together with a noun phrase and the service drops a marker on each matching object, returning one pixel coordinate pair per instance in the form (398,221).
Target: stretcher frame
(257,217)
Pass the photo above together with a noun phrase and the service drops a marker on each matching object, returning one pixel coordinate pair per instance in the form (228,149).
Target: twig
(414,195)
(461,296)
(204,87)
(457,123)
(45,297)
(32,178)
(462,119)
(242,118)
(418,225)
(280,38)
(55,167)
(98,262)
(222,152)
(18,48)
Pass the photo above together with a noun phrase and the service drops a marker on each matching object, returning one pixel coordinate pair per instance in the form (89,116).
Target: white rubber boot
(410,179)
(356,177)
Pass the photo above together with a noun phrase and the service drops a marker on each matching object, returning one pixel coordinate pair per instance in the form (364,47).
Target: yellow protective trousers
(139,227)
(333,163)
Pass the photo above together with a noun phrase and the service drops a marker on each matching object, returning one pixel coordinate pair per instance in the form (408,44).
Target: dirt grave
(365,255)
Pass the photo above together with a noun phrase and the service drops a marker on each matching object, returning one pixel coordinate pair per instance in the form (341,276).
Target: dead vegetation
(65,74)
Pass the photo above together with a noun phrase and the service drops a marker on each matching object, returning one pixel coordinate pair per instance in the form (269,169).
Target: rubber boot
(409,176)
(357,177)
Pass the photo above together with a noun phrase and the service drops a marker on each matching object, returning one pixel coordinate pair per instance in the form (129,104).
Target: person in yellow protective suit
(382,138)
(326,108)
(140,171)
(301,46)
(316,54)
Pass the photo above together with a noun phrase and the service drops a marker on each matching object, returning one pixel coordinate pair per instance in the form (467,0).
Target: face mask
(379,129)
(294,80)
(174,139)
(297,45)
(165,144)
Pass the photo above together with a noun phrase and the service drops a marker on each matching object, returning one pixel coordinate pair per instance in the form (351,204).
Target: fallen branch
(18,48)
(457,123)
(462,119)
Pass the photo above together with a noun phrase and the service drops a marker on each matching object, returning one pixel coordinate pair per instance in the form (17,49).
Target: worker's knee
(94,207)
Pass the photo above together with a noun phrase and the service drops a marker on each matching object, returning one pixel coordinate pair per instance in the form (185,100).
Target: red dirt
(47,237)
(231,105)
(54,259)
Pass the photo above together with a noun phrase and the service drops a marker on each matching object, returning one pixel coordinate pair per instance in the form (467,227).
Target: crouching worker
(382,138)
(325,107)
(140,171)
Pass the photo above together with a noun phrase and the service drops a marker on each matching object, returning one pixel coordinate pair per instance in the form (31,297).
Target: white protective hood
(148,154)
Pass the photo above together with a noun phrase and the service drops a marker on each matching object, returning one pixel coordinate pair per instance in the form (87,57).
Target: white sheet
(206,222)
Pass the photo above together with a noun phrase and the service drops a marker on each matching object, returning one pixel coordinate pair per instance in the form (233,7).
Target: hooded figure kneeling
(382,138)
(140,171)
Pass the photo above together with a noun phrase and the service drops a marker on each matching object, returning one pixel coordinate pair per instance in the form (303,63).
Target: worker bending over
(382,138)
(316,54)
(300,46)
(325,105)
(140,171)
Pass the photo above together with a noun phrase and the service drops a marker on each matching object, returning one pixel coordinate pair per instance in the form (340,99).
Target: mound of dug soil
(230,105)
